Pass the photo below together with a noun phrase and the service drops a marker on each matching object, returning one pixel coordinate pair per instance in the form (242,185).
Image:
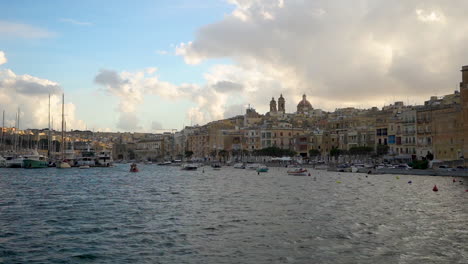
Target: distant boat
(165,163)
(298,172)
(133,168)
(216,166)
(252,166)
(239,166)
(189,166)
(262,168)
(84,167)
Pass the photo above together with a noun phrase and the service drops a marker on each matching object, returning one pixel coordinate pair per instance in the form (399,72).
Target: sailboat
(62,164)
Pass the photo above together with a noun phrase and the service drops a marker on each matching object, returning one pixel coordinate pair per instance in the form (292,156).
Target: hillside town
(438,130)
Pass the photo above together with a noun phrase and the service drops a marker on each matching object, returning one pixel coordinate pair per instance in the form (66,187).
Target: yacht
(14,161)
(85,161)
(104,158)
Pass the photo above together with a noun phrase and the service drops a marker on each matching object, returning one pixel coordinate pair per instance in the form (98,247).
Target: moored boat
(298,172)
(252,166)
(189,166)
(216,166)
(165,163)
(35,162)
(262,168)
(239,166)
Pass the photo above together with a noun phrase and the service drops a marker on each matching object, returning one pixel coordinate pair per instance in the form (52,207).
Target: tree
(382,150)
(188,154)
(314,152)
(429,156)
(335,152)
(360,150)
(224,154)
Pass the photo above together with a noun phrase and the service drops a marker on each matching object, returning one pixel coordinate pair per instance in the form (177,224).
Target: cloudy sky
(153,65)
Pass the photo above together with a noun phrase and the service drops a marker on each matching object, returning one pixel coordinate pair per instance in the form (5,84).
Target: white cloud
(359,54)
(3,58)
(10,29)
(30,94)
(75,22)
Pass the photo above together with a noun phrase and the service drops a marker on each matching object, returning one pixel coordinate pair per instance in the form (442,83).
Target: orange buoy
(435,189)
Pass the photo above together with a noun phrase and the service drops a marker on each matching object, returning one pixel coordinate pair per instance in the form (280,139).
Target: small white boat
(252,166)
(165,163)
(190,166)
(298,172)
(84,167)
(239,166)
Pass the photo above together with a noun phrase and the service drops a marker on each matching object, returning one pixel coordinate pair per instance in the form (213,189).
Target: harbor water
(165,215)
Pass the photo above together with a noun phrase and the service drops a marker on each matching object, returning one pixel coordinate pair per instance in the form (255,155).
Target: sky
(149,66)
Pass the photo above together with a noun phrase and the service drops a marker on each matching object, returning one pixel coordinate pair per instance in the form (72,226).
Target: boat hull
(35,164)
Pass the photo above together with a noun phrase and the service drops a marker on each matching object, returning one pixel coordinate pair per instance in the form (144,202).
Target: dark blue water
(165,215)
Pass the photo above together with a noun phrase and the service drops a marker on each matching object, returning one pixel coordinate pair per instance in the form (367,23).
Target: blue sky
(86,36)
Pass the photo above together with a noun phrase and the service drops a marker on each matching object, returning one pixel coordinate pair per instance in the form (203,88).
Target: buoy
(397,177)
(410,182)
(454,180)
(435,189)
(309,173)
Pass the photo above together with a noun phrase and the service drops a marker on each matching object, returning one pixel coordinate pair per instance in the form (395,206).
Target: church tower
(273,105)
(464,104)
(281,104)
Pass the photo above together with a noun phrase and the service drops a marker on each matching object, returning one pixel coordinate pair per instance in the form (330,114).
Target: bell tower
(273,105)
(464,104)
(281,104)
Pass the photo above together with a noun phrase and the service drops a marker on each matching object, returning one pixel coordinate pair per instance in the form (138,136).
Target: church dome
(304,105)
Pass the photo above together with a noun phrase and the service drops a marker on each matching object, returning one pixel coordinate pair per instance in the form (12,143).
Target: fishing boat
(239,166)
(262,168)
(35,161)
(189,166)
(298,172)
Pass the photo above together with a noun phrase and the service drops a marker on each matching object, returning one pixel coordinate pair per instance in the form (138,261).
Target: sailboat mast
(49,137)
(63,135)
(3,127)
